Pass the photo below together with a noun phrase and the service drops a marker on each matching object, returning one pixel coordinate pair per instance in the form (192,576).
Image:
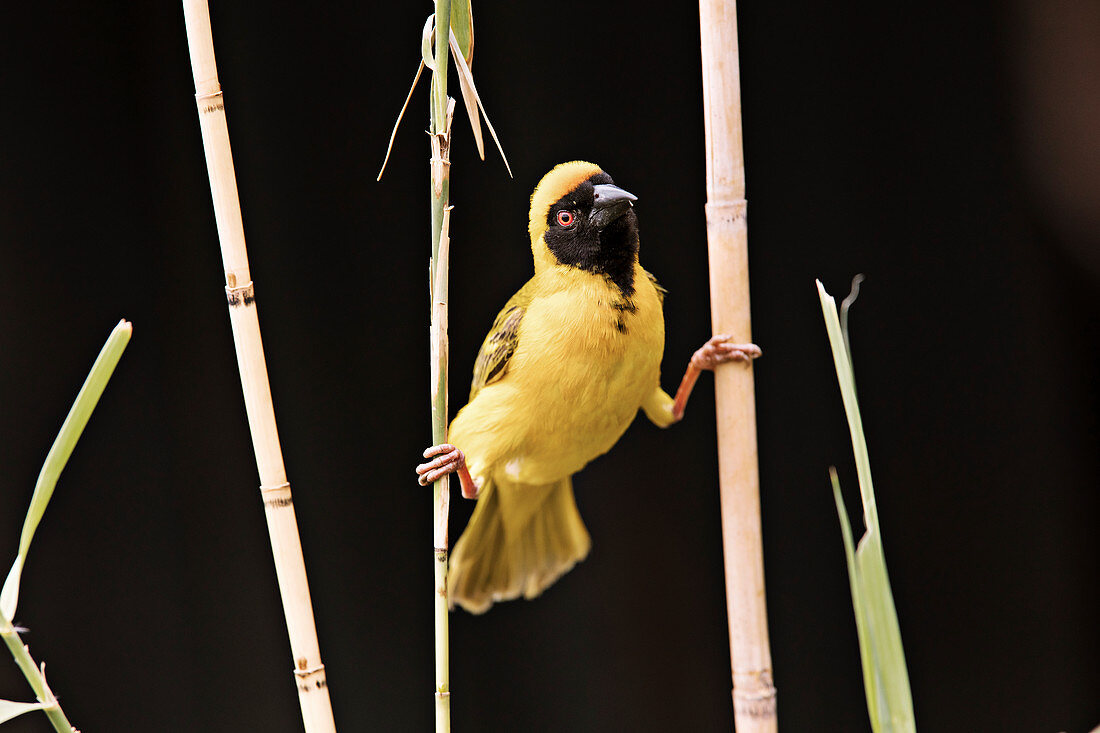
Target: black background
(877,141)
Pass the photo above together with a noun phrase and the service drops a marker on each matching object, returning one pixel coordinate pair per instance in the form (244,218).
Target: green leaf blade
(886,679)
(60,451)
(867,662)
(462,25)
(893,699)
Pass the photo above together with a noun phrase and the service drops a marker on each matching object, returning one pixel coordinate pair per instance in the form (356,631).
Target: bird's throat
(611,252)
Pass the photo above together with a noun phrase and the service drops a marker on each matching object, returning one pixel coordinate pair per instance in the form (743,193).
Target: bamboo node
(238,295)
(442,693)
(758,700)
(319,667)
(727,211)
(441,151)
(276,496)
(441,167)
(210,102)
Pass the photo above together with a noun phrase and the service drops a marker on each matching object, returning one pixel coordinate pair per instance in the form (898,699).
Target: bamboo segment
(754,696)
(309,672)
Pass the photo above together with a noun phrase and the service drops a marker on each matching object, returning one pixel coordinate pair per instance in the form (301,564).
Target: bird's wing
(500,344)
(656,285)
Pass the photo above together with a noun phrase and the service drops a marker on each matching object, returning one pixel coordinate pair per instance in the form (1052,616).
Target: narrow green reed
(438,42)
(885,678)
(442,109)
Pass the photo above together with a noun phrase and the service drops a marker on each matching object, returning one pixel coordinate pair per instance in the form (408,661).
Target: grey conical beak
(611,202)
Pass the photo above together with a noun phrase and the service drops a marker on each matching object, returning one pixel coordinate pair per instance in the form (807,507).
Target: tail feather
(520,539)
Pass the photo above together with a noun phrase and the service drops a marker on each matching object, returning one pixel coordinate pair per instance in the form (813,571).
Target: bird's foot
(447,459)
(719,350)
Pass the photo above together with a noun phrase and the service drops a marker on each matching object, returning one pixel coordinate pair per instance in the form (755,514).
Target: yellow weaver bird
(565,368)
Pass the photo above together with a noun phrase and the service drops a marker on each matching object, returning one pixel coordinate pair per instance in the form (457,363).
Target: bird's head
(580,218)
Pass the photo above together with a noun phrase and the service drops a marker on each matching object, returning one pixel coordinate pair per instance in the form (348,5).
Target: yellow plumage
(568,363)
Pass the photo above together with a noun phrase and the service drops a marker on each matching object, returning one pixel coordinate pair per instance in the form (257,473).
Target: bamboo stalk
(309,672)
(442,112)
(36,676)
(754,696)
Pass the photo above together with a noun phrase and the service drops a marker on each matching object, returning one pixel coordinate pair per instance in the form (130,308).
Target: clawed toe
(446,460)
(435,450)
(719,350)
(741,352)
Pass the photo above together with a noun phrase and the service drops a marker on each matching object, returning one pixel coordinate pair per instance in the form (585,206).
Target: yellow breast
(587,356)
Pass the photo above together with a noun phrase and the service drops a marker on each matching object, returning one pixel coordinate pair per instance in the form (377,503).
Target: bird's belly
(575,411)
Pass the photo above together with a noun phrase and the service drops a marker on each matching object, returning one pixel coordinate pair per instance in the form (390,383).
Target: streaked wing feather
(656,286)
(498,347)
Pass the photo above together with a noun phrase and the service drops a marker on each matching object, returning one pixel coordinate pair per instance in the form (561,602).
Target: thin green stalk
(441,112)
(36,677)
(441,488)
(442,55)
(443,35)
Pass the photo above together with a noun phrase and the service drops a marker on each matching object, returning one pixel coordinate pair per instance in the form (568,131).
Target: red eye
(565,218)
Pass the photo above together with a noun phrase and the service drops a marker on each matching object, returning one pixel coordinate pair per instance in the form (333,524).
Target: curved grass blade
(59,454)
(400,115)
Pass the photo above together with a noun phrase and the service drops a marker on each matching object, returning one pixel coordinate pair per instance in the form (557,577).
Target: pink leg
(448,460)
(715,351)
(691,375)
